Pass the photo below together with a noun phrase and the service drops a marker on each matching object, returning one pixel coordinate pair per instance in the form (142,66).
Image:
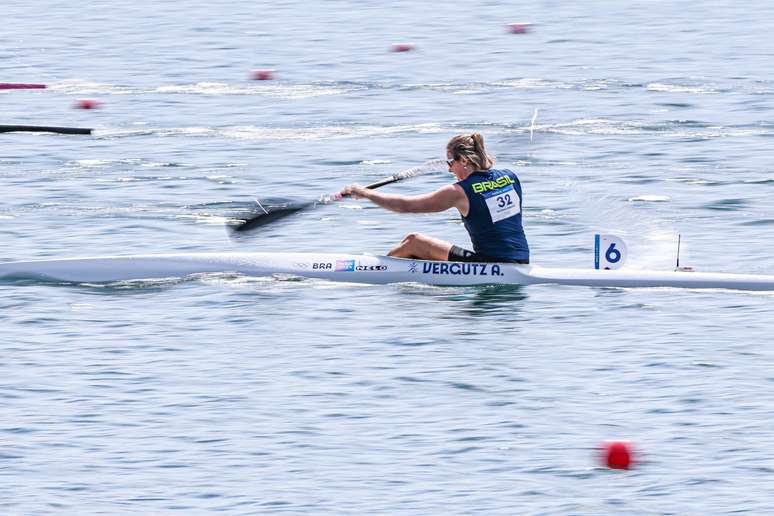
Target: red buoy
(402,47)
(617,454)
(86,104)
(263,75)
(519,28)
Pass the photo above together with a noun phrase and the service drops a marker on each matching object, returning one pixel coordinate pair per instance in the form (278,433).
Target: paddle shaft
(387,181)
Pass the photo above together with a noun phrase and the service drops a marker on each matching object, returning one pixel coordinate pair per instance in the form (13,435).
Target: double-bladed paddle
(270,211)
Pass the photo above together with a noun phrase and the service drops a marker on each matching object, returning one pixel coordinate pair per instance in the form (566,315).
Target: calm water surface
(252,395)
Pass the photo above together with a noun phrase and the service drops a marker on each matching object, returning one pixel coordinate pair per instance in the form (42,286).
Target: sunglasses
(450,161)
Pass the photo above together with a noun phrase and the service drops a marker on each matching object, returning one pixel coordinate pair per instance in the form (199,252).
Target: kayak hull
(361,269)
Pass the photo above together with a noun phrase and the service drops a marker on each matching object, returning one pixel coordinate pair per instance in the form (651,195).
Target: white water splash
(650,198)
(675,88)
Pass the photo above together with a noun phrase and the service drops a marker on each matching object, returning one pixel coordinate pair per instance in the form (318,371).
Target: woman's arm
(449,196)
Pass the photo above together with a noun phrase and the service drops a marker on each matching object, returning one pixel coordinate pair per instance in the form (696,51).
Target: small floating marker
(519,28)
(263,74)
(20,86)
(86,104)
(402,47)
(617,454)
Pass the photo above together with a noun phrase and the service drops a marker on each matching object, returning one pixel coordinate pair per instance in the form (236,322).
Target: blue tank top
(494,218)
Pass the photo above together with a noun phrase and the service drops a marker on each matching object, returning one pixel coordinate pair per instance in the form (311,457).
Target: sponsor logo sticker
(371,268)
(345,265)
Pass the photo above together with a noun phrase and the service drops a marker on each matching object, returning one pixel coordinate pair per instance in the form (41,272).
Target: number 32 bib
(502,203)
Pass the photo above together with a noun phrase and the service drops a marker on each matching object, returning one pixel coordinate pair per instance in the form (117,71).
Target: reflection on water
(495,299)
(476,300)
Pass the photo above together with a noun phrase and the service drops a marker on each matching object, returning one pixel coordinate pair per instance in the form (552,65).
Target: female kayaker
(489,201)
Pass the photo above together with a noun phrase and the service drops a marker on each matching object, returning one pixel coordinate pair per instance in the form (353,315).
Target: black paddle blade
(269,212)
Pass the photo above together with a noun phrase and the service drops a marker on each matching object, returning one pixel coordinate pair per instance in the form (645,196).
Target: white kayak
(361,269)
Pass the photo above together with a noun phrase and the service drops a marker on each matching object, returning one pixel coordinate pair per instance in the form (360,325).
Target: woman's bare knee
(417,245)
(414,237)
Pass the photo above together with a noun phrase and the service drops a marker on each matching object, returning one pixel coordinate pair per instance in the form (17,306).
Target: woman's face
(458,167)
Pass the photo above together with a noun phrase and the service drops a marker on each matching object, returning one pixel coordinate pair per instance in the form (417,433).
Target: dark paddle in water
(43,129)
(272,210)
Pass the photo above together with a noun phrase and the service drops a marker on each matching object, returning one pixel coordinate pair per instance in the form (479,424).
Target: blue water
(253,395)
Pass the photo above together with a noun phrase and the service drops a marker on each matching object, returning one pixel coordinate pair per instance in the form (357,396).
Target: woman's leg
(421,247)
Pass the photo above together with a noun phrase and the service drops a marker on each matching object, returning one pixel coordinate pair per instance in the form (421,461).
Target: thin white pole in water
(532,125)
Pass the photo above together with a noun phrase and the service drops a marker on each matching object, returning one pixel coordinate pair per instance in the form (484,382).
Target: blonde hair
(471,147)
